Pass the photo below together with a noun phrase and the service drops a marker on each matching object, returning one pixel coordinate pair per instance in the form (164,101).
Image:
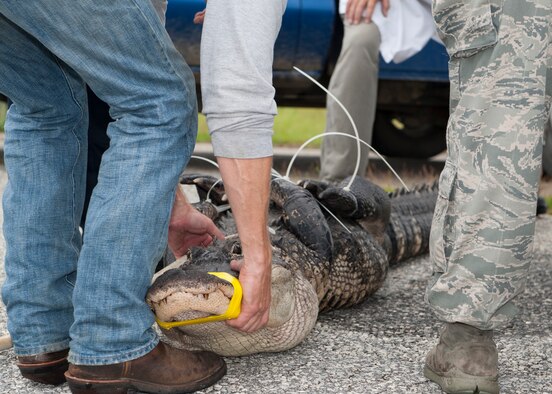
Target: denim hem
(114,358)
(50,348)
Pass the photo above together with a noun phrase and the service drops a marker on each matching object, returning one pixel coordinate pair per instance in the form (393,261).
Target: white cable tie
(356,137)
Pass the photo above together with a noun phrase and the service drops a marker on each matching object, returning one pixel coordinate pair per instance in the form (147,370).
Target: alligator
(332,247)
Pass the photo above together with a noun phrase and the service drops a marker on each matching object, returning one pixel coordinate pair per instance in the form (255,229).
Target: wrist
(258,259)
(181,206)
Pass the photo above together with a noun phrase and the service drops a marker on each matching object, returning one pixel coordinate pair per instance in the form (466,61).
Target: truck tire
(411,132)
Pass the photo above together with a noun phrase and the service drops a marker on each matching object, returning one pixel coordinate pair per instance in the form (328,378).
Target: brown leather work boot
(464,361)
(164,370)
(46,368)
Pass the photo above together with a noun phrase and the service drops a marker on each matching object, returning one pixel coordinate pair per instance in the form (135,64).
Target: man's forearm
(246,182)
(247,185)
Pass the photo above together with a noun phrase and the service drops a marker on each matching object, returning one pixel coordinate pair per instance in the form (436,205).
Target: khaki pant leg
(355,83)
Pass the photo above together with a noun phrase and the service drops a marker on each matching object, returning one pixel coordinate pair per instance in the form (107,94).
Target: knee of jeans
(59,112)
(180,109)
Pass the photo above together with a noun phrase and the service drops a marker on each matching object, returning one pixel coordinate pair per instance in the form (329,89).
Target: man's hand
(199,17)
(256,283)
(188,227)
(355,9)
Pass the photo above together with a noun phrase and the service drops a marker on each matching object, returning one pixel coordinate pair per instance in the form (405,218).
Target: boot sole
(127,386)
(46,373)
(463,384)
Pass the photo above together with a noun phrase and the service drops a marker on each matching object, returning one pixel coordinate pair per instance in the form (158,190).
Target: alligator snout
(187,294)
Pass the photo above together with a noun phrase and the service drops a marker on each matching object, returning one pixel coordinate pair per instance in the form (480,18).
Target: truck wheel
(412,133)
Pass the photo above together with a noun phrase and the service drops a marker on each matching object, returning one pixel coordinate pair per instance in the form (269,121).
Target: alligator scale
(319,261)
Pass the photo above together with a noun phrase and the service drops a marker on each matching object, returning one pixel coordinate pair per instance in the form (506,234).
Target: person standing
(88,294)
(395,29)
(355,83)
(484,223)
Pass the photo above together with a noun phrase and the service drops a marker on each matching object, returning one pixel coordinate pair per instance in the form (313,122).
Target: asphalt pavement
(378,346)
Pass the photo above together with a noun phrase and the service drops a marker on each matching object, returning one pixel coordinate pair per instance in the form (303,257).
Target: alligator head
(189,292)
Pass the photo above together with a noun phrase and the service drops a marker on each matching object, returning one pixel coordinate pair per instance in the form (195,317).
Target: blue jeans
(62,290)
(98,120)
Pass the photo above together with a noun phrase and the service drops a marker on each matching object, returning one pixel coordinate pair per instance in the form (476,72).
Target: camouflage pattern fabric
(484,222)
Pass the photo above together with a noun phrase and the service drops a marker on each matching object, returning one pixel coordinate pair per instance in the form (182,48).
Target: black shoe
(542,208)
(46,368)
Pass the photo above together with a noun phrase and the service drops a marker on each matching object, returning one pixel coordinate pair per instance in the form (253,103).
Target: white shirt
(405,31)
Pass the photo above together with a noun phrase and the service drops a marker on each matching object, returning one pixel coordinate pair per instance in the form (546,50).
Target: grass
(3,109)
(292,126)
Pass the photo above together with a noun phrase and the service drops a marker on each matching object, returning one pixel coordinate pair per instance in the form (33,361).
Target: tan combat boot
(464,361)
(164,370)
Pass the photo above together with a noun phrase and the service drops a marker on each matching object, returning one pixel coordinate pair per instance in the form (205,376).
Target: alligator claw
(315,187)
(303,216)
(363,200)
(207,208)
(206,184)
(339,201)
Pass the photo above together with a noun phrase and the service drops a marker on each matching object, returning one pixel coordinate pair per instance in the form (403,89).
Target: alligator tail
(410,223)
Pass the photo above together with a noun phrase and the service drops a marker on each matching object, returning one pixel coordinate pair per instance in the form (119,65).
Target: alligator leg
(303,217)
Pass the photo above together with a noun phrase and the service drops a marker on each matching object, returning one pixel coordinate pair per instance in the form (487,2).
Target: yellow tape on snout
(233,311)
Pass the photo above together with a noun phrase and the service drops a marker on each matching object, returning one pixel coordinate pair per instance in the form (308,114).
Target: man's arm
(247,185)
(237,47)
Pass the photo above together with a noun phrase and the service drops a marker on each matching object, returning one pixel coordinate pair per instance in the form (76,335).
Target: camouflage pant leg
(482,233)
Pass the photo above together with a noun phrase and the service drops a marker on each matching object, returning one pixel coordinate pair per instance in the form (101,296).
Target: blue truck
(413,97)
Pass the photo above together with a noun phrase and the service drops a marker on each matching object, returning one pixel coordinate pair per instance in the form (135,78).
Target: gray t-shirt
(237,47)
